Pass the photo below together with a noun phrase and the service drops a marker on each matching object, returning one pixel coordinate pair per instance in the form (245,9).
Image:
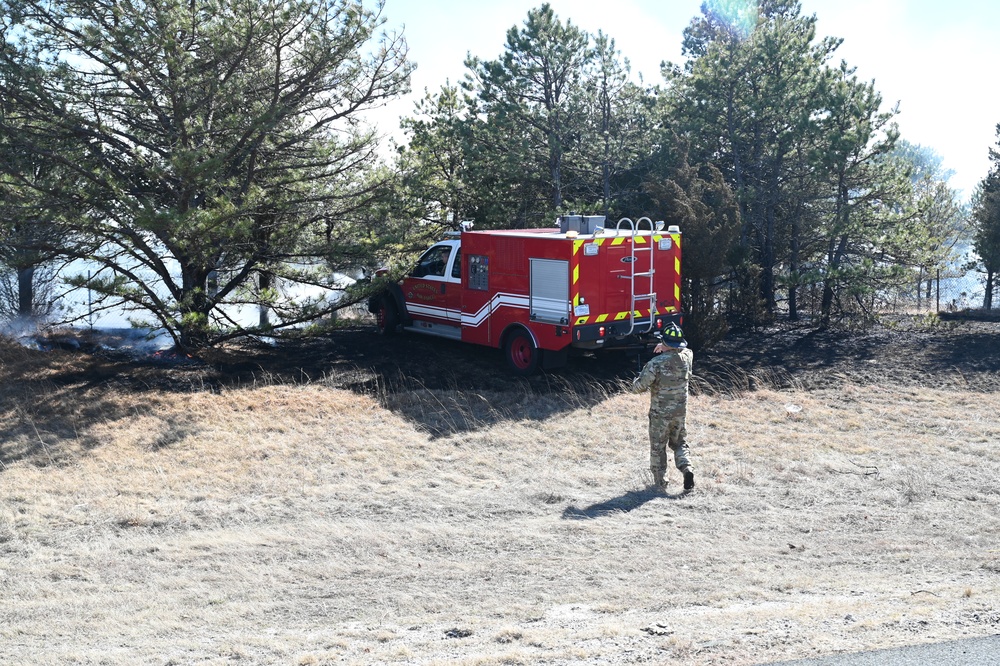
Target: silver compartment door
(549,296)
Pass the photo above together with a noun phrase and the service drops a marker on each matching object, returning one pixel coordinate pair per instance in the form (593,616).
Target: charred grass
(354,516)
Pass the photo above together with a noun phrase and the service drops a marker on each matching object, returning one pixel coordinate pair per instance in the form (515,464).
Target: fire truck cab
(540,293)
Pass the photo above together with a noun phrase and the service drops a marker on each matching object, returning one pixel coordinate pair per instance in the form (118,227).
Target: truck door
(433,289)
(616,290)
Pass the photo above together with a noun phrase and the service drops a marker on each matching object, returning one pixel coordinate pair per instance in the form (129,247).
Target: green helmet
(673,336)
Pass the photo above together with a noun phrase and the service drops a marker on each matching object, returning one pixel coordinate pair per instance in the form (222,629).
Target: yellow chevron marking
(639,314)
(677,266)
(640,240)
(576,274)
(677,292)
(618,241)
(577,245)
(677,240)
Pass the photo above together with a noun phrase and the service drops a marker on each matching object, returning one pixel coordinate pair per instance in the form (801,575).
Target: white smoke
(22,331)
(138,342)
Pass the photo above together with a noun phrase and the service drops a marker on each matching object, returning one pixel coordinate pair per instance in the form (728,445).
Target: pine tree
(986,224)
(216,142)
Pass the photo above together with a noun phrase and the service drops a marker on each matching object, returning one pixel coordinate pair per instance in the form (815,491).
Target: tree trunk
(835,257)
(556,165)
(554,139)
(771,228)
(26,292)
(606,166)
(835,252)
(826,306)
(988,297)
(737,165)
(265,282)
(606,178)
(793,267)
(695,306)
(767,261)
(194,306)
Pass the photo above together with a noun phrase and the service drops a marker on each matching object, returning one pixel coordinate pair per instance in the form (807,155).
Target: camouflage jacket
(666,377)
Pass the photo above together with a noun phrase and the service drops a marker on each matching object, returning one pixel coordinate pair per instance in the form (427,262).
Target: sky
(936,58)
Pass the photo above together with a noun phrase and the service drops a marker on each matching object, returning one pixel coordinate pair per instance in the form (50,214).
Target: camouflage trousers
(667,430)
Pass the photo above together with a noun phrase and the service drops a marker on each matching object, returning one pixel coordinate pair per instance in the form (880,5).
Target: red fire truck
(539,293)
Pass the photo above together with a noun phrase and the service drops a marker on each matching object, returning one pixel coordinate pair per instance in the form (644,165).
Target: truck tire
(386,315)
(522,354)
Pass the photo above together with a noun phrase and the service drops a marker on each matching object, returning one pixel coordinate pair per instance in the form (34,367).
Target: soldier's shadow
(630,501)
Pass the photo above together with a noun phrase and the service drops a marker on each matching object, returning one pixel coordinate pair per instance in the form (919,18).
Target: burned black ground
(914,351)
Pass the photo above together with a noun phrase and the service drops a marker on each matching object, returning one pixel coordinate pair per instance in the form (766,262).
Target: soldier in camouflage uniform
(666,377)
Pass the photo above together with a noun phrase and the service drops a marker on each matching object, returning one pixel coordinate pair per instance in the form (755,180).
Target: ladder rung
(643,297)
(643,274)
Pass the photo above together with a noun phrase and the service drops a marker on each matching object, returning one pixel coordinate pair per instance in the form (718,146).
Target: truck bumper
(615,334)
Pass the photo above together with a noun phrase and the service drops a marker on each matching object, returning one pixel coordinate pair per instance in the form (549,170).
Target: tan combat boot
(658,479)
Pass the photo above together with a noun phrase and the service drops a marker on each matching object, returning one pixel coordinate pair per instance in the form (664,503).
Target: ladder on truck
(641,282)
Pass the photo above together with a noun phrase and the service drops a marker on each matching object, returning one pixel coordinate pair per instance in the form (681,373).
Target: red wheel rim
(520,352)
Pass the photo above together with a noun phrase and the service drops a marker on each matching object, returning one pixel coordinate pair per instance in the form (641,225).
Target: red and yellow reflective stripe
(619,316)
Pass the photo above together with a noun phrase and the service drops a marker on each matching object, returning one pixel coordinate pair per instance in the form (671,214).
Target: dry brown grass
(302,524)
